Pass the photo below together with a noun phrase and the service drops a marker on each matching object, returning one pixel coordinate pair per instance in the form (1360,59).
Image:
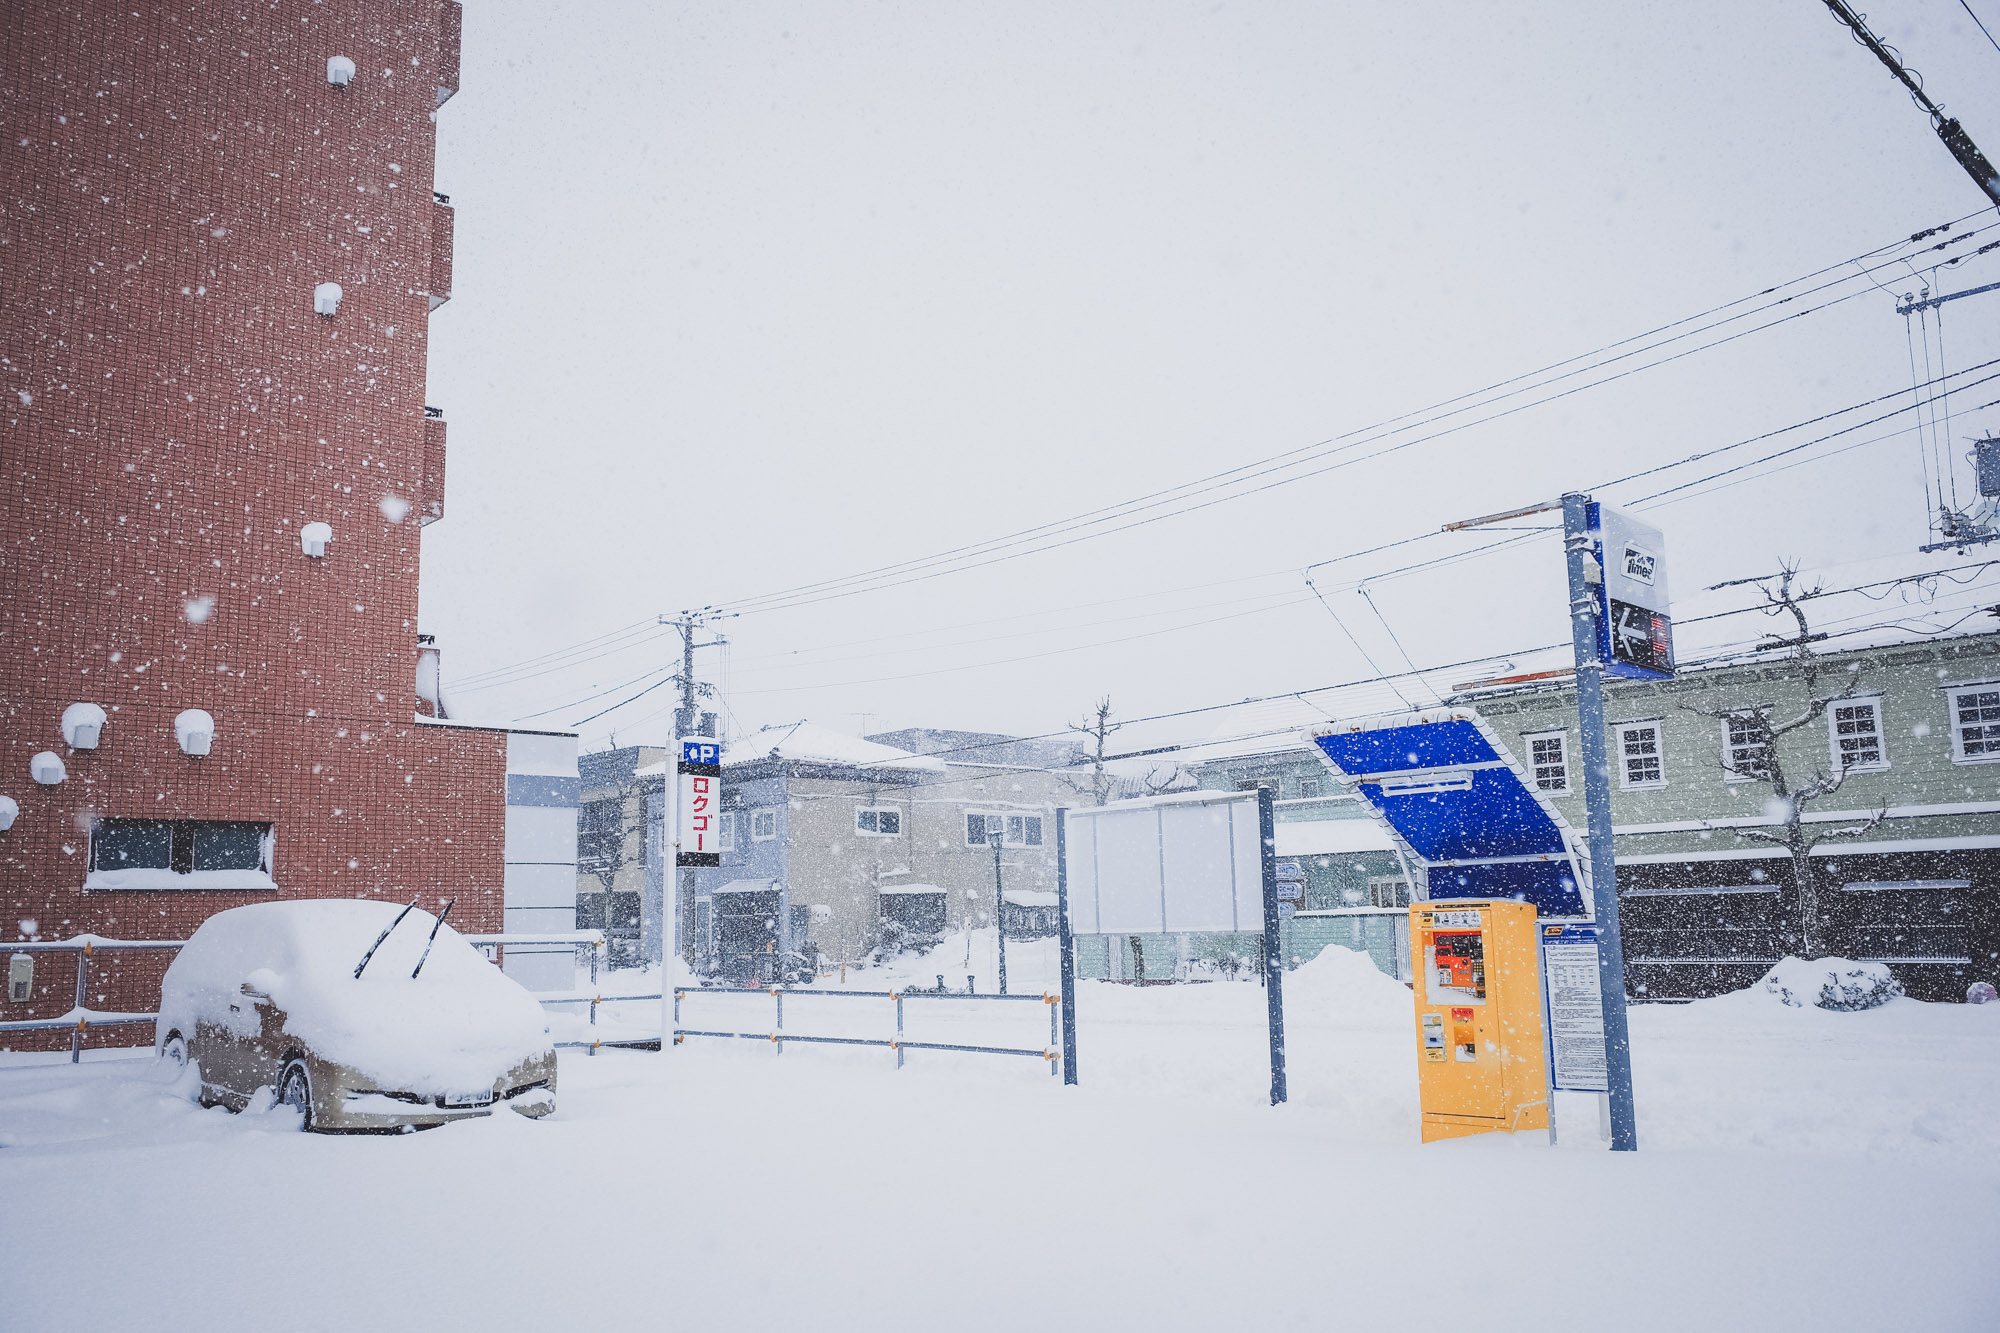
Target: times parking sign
(1635,631)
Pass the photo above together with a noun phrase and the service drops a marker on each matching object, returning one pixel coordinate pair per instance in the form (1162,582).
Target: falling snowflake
(198,609)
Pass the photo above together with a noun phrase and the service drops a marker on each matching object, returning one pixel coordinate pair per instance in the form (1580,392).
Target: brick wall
(176,184)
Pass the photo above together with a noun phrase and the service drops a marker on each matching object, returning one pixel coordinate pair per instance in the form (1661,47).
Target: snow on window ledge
(152,879)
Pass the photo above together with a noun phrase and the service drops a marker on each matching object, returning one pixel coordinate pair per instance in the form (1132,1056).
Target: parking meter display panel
(1480,1056)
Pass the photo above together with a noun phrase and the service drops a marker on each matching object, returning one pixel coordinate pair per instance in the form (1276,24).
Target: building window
(1855,728)
(1014,830)
(879,822)
(1308,788)
(725,831)
(1975,723)
(763,825)
(1746,745)
(1254,784)
(1548,756)
(1640,756)
(162,851)
(1388,891)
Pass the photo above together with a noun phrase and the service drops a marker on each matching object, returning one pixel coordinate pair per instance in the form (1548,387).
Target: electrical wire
(1967,7)
(576,654)
(1038,538)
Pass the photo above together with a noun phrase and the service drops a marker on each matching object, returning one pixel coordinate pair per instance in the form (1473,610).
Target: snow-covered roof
(1317,837)
(909,888)
(806,742)
(1030,897)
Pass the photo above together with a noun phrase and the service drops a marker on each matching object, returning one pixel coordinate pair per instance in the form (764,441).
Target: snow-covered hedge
(1832,983)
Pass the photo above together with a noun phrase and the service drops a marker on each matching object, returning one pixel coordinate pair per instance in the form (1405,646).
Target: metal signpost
(1619,623)
(693,838)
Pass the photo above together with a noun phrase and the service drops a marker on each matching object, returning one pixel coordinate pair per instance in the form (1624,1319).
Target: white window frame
(725,831)
(1309,789)
(1730,772)
(1874,702)
(761,821)
(878,811)
(1006,840)
(1658,727)
(1393,887)
(1561,737)
(1951,693)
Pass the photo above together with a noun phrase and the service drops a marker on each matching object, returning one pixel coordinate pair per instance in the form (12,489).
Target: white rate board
(1166,864)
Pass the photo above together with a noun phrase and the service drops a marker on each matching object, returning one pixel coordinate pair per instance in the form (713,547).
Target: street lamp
(995,831)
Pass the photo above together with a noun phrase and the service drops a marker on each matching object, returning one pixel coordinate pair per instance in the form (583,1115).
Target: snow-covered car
(362,1015)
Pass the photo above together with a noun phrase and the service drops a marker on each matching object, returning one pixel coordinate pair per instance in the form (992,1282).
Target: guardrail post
(1055,1038)
(899,1031)
(82,984)
(776,1038)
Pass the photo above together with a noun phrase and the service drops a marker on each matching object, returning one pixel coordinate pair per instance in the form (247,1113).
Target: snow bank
(457,1027)
(1344,983)
(1830,983)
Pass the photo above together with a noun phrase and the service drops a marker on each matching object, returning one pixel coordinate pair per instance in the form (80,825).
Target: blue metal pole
(1586,575)
(1067,946)
(1274,960)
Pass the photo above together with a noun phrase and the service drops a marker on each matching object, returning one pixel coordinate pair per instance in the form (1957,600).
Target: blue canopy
(1446,790)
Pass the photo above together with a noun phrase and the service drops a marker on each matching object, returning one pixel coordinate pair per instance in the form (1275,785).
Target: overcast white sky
(750,296)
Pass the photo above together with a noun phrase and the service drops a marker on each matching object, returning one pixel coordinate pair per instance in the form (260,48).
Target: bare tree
(1754,751)
(1096,729)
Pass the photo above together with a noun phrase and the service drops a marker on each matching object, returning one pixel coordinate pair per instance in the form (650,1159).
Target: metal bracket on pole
(1578,550)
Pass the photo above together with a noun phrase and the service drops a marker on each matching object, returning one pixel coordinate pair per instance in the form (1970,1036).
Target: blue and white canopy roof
(1457,803)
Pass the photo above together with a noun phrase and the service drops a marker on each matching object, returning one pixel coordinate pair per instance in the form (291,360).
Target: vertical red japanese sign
(699,774)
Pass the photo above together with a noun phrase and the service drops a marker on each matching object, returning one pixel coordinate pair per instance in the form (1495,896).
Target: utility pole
(1956,141)
(673,943)
(995,837)
(687,624)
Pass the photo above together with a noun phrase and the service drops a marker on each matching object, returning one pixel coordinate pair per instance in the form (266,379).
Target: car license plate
(468,1098)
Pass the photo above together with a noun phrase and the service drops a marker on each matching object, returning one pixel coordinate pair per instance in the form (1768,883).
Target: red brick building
(183,394)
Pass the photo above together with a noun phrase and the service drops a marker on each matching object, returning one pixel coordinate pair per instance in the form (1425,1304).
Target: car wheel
(175,1051)
(295,1091)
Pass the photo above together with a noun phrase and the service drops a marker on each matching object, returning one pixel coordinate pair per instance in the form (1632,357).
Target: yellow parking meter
(1480,1060)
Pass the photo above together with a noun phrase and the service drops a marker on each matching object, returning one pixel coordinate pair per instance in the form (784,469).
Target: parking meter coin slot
(1434,1032)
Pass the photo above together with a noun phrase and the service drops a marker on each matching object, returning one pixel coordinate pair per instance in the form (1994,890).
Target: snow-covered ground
(1799,1170)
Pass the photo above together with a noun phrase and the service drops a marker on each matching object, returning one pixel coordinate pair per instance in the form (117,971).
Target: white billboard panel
(1167,864)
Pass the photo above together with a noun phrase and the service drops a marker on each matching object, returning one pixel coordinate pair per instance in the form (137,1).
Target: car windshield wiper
(435,926)
(379,938)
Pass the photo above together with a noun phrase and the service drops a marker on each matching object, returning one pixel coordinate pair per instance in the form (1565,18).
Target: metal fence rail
(81,1017)
(777,1036)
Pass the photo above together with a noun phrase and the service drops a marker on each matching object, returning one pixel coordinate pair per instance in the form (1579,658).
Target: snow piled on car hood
(457,1027)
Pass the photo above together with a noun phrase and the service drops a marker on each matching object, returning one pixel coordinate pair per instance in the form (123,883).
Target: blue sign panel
(707,753)
(1452,797)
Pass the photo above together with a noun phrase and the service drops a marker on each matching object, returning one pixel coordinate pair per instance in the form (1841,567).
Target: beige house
(833,842)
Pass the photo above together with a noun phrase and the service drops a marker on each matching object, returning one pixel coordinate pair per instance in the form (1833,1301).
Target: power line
(1967,7)
(1956,141)
(1113,518)
(604,645)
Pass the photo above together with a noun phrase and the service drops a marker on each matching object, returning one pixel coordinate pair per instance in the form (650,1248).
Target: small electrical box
(1986,462)
(21,978)
(1481,1063)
